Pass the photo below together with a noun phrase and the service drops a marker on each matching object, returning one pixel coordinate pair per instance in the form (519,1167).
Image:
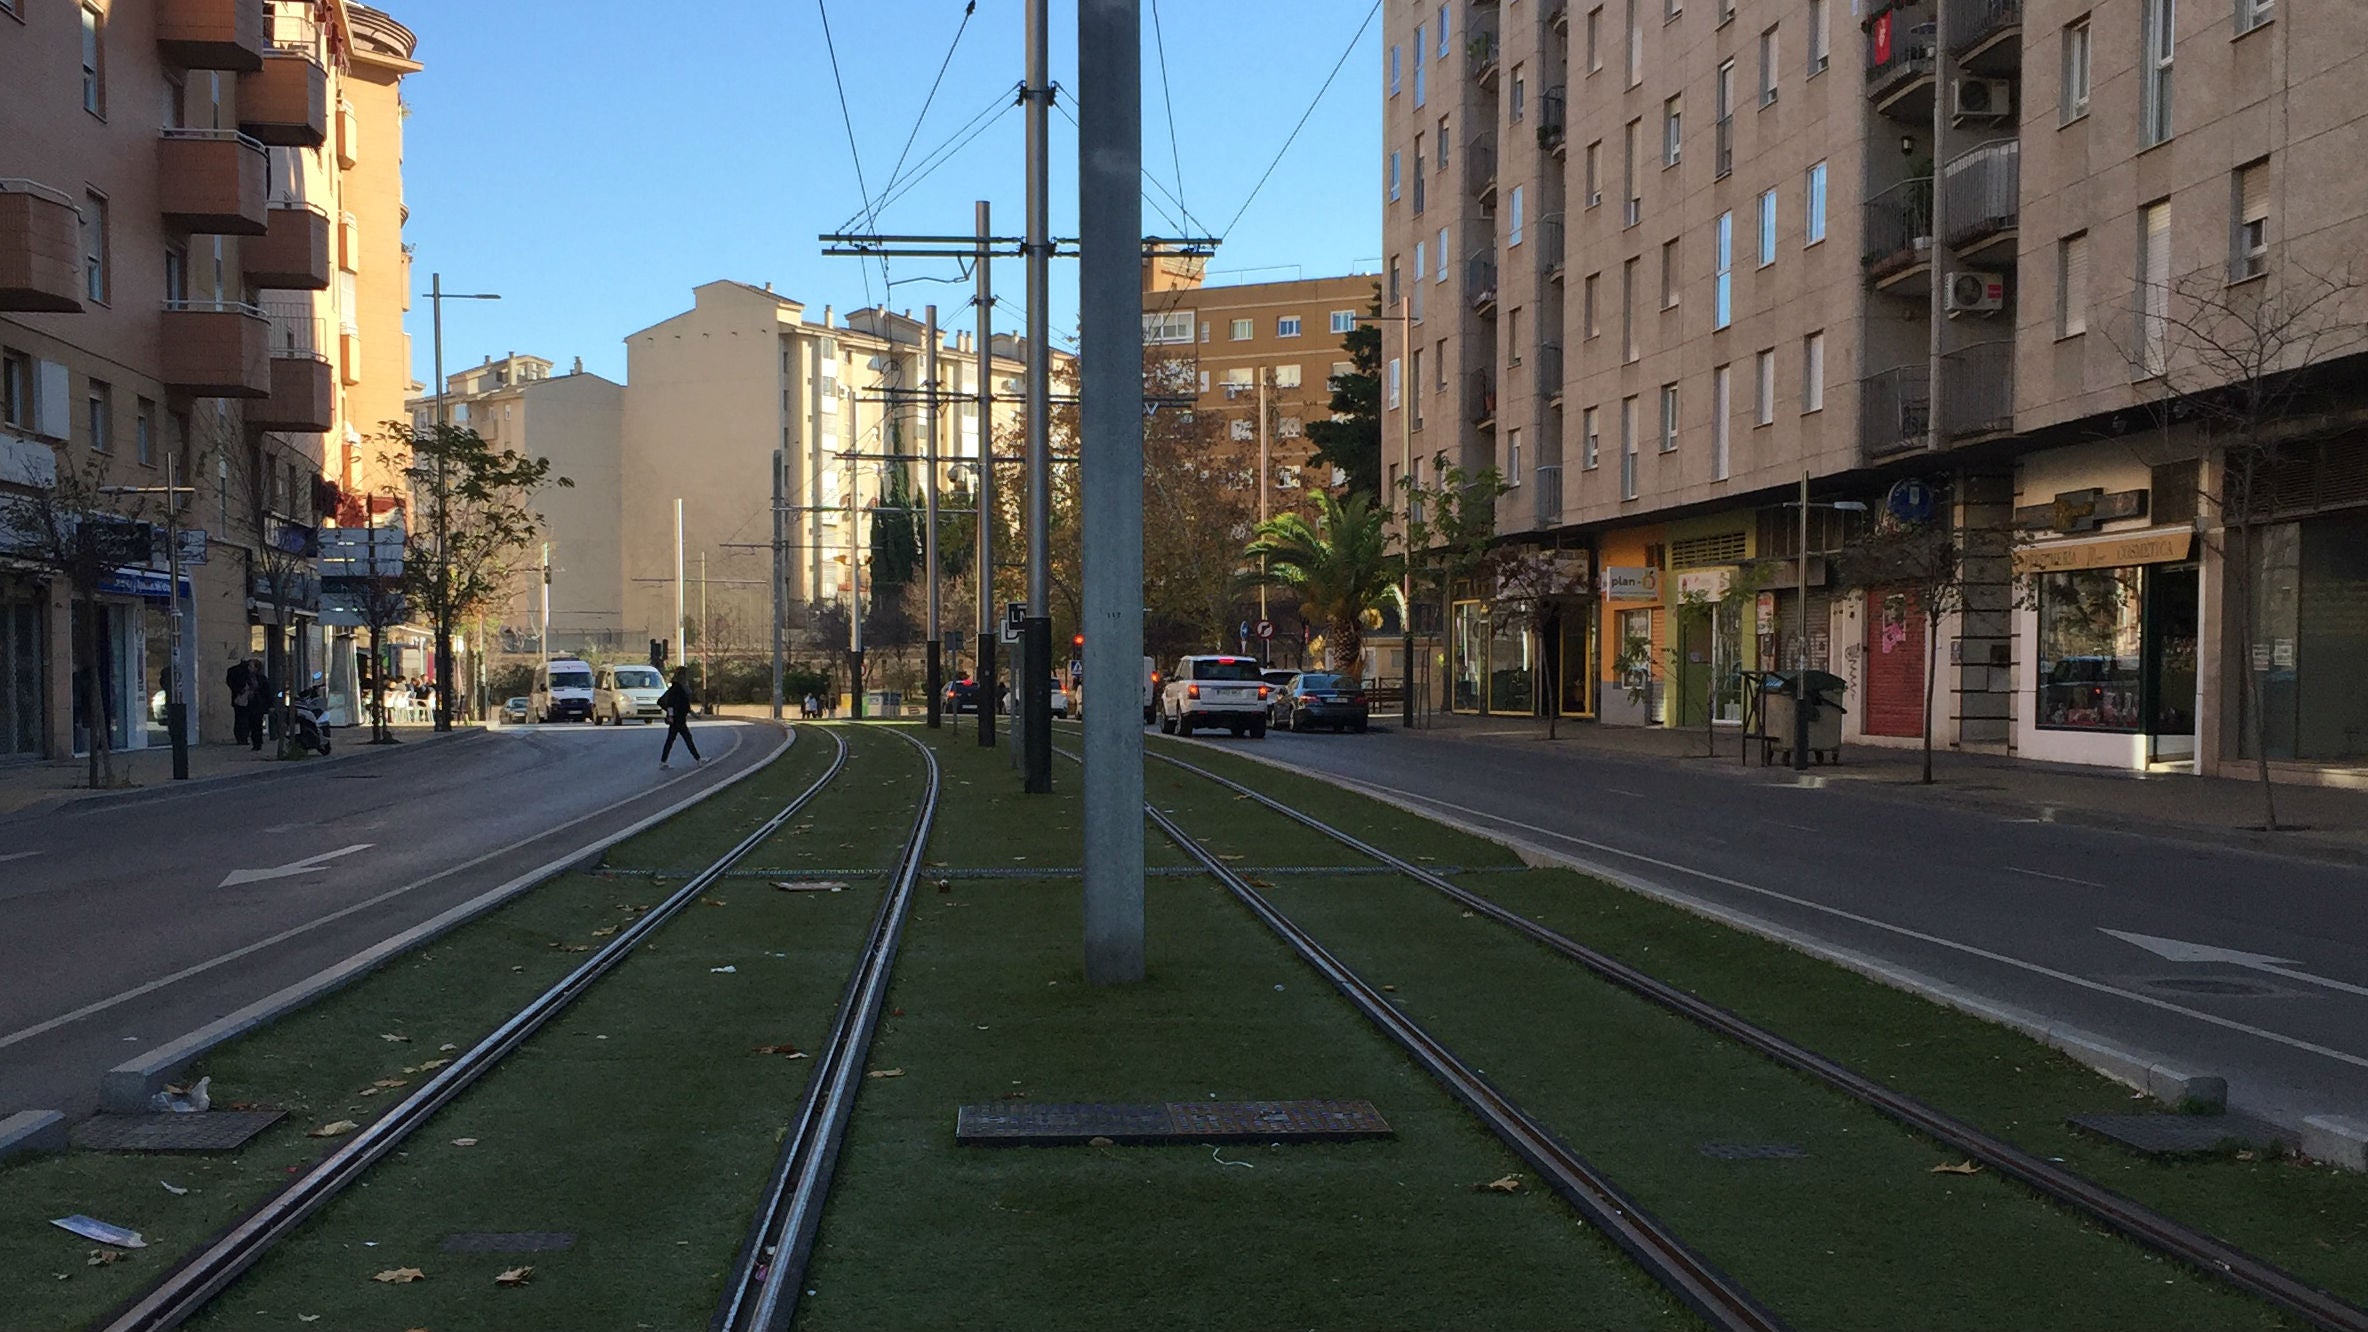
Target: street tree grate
(509,1241)
(1027,1125)
(204,1131)
(2181,1135)
(1751,1151)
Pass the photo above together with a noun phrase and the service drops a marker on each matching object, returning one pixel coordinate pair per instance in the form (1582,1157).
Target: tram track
(2124,1216)
(186,1289)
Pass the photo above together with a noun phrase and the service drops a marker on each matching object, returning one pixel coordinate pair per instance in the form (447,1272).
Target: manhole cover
(2211,985)
(2179,1135)
(1751,1151)
(1026,1125)
(206,1131)
(509,1241)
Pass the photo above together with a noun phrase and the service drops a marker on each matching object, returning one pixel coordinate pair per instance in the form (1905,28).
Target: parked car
(516,710)
(628,693)
(1319,699)
(1215,691)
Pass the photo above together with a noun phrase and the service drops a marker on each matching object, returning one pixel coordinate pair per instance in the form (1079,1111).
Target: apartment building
(169,273)
(1951,260)
(1233,351)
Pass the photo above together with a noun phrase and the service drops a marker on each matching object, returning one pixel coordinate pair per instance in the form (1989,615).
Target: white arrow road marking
(2177,950)
(18,855)
(290,870)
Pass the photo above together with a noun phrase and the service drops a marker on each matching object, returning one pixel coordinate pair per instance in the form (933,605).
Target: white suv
(1215,691)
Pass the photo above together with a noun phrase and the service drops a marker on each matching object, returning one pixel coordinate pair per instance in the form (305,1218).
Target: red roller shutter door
(1895,663)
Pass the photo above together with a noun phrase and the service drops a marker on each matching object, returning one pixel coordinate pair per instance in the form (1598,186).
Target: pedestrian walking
(246,707)
(677,703)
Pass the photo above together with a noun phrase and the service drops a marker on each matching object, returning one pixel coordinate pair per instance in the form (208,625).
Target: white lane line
(2051,973)
(18,855)
(1614,790)
(151,987)
(2059,878)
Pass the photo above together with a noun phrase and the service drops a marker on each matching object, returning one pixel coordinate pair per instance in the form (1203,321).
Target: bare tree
(1530,588)
(1448,528)
(270,492)
(77,533)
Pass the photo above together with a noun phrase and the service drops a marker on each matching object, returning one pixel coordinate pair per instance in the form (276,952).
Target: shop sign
(1631,584)
(149,584)
(1704,584)
(2081,510)
(192,541)
(2163,546)
(1764,614)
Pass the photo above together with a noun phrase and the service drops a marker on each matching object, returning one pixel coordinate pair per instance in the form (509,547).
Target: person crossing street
(677,703)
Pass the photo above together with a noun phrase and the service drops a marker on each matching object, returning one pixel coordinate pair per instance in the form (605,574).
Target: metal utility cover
(205,1131)
(1029,1125)
(509,1241)
(2179,1135)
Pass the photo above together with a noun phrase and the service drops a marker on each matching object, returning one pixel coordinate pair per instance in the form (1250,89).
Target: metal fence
(1899,46)
(1550,243)
(1480,404)
(1553,117)
(1973,22)
(1549,369)
(1977,389)
(1983,190)
(1480,164)
(1480,280)
(1480,49)
(296,333)
(1549,494)
(1895,410)
(1899,227)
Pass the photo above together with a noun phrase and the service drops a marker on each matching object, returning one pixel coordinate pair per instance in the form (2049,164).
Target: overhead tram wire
(1167,98)
(1189,221)
(1293,137)
(931,98)
(847,119)
(937,157)
(899,180)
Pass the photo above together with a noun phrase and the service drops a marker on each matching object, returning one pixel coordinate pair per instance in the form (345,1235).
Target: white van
(562,690)
(628,693)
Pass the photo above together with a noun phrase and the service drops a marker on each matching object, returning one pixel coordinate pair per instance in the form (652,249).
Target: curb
(32,1133)
(83,800)
(2337,1140)
(126,1087)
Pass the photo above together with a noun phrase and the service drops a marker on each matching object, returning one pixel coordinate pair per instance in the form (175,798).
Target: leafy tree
(75,532)
(1340,565)
(1351,438)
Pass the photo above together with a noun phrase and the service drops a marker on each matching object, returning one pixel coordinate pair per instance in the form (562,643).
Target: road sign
(193,545)
(1266,628)
(954,642)
(1910,501)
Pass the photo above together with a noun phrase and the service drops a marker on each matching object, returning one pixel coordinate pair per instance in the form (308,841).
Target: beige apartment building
(175,252)
(1658,261)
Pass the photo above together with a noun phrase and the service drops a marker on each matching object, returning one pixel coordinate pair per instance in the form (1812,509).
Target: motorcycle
(310,729)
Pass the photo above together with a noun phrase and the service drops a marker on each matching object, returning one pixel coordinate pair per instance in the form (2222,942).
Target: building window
(102,416)
(1420,192)
(1594,173)
(1721,409)
(2154,286)
(1590,438)
(1513,457)
(1813,207)
(1442,263)
(1818,51)
(1159,326)
(1673,117)
(1768,67)
(1627,448)
(94,63)
(1287,326)
(94,247)
(16,390)
(1628,310)
(2159,42)
(1635,47)
(2072,285)
(1632,208)
(1513,218)
(1444,144)
(1442,31)
(1764,388)
(1394,285)
(1438,359)
(2076,77)
(2251,14)
(1723,126)
(1669,418)
(1288,376)
(1416,310)
(1517,95)
(1595,39)
(1669,274)
(1241,330)
(1767,228)
(1513,335)
(1671,9)
(1393,71)
(1590,305)
(144,435)
(1393,175)
(1344,321)
(2248,242)
(1722,295)
(1393,382)
(2091,641)
(1813,373)
(1419,66)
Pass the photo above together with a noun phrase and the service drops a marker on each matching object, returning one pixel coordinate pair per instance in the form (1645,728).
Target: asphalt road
(129,922)
(2017,911)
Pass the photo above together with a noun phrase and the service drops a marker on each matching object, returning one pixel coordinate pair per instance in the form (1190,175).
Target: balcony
(1977,391)
(286,103)
(1550,247)
(349,354)
(1983,191)
(217,349)
(349,243)
(1723,146)
(1554,120)
(40,249)
(1558,15)
(1899,234)
(293,252)
(1480,168)
(1549,371)
(1984,34)
(211,34)
(211,182)
(1548,484)
(1895,411)
(1480,400)
(1899,61)
(303,386)
(1480,282)
(349,135)
(1480,54)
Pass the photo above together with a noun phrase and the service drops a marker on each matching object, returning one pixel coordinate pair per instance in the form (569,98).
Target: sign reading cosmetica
(2161,546)
(1622,583)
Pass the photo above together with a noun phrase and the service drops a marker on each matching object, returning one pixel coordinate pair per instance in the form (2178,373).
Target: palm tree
(1340,565)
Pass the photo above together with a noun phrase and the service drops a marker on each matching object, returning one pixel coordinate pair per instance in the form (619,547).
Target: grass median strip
(2308,1218)
(324,1064)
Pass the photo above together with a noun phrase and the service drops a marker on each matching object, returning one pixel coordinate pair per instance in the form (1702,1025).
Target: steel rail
(2125,1216)
(770,1273)
(186,1289)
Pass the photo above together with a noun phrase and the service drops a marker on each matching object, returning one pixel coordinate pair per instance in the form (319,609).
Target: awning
(2154,545)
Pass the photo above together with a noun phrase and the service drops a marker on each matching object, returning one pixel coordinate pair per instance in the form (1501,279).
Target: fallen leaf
(604,932)
(885,1073)
(390,1082)
(1506,1184)
(102,1257)
(445,1046)
(516,1276)
(367,1091)
(1962,1168)
(464,1142)
(336,1128)
(434,1064)
(712,901)
(173,1189)
(400,1276)
(308,1318)
(390,1036)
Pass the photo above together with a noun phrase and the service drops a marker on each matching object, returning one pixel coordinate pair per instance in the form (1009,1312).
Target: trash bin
(1779,697)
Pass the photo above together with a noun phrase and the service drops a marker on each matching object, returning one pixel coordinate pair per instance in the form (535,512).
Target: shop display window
(2091,650)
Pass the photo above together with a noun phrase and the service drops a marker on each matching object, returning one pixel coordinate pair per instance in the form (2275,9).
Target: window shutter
(2253,193)
(2076,284)
(53,405)
(2156,272)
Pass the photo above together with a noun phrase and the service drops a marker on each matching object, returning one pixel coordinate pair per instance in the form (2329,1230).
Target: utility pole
(1263,490)
(936,659)
(436,298)
(1034,703)
(854,592)
(1110,239)
(176,689)
(703,682)
(543,639)
(780,590)
(682,646)
(984,578)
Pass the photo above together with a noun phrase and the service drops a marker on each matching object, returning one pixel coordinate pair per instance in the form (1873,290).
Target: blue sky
(592,165)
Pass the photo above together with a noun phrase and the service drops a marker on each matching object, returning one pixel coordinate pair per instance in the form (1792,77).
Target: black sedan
(1318,700)
(962,696)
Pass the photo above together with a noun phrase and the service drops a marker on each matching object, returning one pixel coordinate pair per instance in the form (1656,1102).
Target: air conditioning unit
(1976,293)
(1981,99)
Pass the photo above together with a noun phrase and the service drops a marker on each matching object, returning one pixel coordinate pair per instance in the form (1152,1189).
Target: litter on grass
(172,1188)
(390,1036)
(1503,1184)
(810,885)
(400,1276)
(336,1128)
(91,1228)
(723,971)
(189,1100)
(102,1257)
(1962,1168)
(885,1073)
(516,1276)
(464,1142)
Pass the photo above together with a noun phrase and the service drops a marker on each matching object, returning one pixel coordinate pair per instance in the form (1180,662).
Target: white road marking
(199,968)
(2059,878)
(2176,950)
(308,865)
(18,855)
(2051,973)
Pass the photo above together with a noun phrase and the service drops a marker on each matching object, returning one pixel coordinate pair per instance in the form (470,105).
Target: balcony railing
(216,349)
(1723,147)
(1548,484)
(1899,46)
(1558,15)
(294,32)
(1550,244)
(211,182)
(1480,166)
(1975,23)
(40,248)
(1895,408)
(1480,281)
(1480,399)
(211,34)
(1983,189)
(1977,390)
(295,330)
(1480,52)
(1899,228)
(1553,117)
(1549,370)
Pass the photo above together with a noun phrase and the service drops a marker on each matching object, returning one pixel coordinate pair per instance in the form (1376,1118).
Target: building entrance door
(2171,616)
(22,717)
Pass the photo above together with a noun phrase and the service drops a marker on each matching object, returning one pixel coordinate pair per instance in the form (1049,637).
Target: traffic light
(1077,640)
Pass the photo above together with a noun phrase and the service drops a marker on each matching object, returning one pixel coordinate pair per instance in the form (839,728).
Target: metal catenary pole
(441,515)
(984,576)
(682,648)
(854,593)
(1029,691)
(1800,679)
(930,418)
(780,553)
(1110,211)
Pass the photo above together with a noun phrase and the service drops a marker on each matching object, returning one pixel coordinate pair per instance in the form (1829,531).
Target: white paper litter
(92,1229)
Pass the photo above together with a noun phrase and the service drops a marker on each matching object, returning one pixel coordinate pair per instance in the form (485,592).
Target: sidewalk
(52,783)
(2320,822)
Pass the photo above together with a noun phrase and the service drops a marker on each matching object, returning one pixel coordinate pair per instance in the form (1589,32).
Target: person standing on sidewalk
(244,712)
(677,703)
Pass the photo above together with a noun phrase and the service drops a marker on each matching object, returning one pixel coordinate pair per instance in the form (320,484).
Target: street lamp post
(176,694)
(1406,472)
(1800,679)
(436,298)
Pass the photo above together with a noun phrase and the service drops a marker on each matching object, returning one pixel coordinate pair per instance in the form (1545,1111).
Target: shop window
(2090,650)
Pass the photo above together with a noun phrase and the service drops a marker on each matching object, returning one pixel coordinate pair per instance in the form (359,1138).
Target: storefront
(1631,646)
(2111,675)
(2309,641)
(1709,600)
(23,675)
(1513,655)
